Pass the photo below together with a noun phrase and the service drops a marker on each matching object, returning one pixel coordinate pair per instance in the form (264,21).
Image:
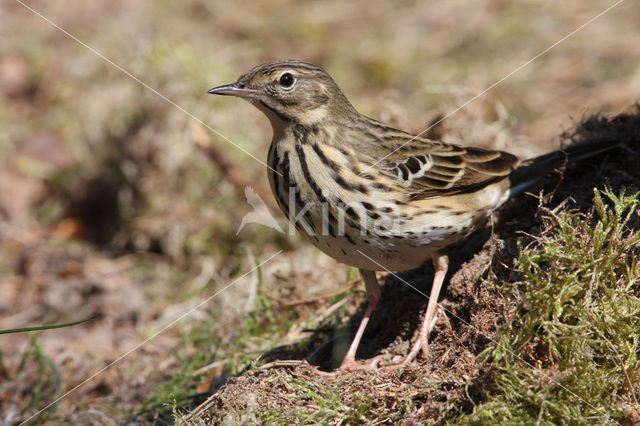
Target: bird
(375,197)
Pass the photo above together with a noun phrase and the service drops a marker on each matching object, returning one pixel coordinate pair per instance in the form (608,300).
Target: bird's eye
(286,80)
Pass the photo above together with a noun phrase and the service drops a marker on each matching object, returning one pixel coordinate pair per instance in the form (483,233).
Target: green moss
(570,356)
(317,403)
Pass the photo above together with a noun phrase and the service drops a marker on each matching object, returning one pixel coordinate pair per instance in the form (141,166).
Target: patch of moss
(317,403)
(570,354)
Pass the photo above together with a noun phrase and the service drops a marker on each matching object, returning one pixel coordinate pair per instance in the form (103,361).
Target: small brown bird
(372,196)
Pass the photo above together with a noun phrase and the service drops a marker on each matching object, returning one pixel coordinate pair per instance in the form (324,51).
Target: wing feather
(432,168)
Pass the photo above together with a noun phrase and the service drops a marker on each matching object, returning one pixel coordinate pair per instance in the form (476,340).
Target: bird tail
(531,171)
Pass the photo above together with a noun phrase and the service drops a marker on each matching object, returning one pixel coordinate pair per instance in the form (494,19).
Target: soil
(113,208)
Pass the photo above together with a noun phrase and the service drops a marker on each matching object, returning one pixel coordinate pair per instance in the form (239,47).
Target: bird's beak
(234,89)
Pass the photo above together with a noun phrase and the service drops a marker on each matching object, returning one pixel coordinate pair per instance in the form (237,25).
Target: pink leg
(373,294)
(440,263)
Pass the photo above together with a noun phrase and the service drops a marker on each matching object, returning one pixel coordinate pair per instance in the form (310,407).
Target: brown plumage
(372,196)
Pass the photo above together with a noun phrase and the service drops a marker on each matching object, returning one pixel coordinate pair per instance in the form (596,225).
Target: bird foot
(350,365)
(353,365)
(420,345)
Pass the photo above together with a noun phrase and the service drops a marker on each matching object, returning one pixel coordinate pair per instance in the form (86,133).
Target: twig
(231,171)
(282,363)
(325,296)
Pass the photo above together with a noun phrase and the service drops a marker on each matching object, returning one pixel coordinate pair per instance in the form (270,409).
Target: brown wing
(430,168)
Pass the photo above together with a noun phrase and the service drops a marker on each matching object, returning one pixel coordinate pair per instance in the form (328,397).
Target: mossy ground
(568,353)
(108,205)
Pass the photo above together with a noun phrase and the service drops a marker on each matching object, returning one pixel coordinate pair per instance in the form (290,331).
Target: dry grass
(107,204)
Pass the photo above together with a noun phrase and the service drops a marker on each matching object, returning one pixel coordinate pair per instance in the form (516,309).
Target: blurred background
(109,203)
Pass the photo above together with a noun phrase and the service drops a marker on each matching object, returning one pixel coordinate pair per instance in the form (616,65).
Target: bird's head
(289,92)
